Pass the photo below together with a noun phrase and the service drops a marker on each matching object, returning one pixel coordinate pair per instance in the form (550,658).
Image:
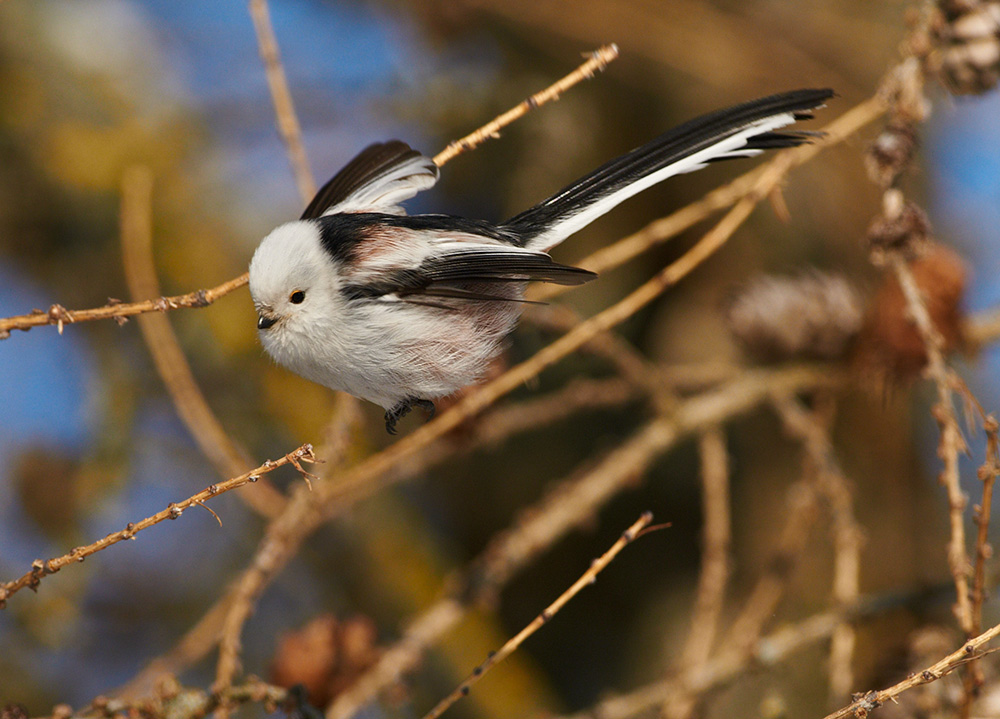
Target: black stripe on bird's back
(670,147)
(341,233)
(464,274)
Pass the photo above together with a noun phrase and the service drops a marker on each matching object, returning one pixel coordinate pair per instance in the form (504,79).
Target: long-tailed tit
(402,310)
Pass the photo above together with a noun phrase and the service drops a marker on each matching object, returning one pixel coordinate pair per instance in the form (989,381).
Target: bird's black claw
(427,406)
(397,412)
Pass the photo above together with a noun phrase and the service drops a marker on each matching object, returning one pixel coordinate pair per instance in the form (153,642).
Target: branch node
(200,299)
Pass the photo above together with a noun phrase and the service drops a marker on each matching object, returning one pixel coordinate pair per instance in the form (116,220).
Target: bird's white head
(293,282)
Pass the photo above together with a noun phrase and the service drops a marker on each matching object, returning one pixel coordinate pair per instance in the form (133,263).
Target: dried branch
(970,651)
(281,97)
(172,701)
(171,364)
(760,606)
(987,474)
(565,507)
(40,569)
(729,664)
(588,578)
(596,62)
(848,537)
(716,536)
(951,443)
(60,316)
(630,364)
(715,563)
(281,541)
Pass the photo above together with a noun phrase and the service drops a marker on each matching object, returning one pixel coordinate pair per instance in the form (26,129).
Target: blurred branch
(40,569)
(981,329)
(588,578)
(173,367)
(223,621)
(281,97)
(597,61)
(695,38)
(281,541)
(848,537)
(630,364)
(730,663)
(175,702)
(760,606)
(565,507)
(715,563)
(984,552)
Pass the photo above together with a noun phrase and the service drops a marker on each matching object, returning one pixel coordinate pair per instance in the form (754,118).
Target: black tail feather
(667,149)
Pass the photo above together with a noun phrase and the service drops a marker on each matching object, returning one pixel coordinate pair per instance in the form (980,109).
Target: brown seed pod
(325,656)
(890,348)
(969,41)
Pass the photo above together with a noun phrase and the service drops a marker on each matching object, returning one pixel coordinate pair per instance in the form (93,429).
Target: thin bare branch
(716,537)
(171,363)
(813,431)
(988,473)
(726,666)
(951,444)
(281,97)
(60,316)
(174,510)
(588,578)
(567,506)
(596,62)
(760,606)
(971,650)
(172,701)
(281,541)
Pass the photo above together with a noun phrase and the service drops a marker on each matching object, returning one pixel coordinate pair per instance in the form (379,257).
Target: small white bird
(400,310)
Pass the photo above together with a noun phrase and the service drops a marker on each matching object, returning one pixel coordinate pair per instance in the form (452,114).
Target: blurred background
(89,438)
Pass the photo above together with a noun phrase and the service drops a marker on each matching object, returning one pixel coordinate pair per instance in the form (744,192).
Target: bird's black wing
(377,180)
(479,273)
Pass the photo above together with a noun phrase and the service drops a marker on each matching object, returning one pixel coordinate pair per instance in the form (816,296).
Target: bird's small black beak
(263,322)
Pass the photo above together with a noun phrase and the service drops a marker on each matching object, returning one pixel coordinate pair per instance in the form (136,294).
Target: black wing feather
(463,274)
(367,167)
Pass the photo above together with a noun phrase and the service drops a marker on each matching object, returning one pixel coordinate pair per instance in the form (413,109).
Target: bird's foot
(400,410)
(427,406)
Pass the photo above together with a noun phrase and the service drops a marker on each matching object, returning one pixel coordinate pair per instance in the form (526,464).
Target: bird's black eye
(297,297)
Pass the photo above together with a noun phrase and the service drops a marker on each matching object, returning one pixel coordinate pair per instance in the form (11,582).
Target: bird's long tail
(740,131)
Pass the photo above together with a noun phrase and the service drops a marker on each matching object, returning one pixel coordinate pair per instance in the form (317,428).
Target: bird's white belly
(389,354)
